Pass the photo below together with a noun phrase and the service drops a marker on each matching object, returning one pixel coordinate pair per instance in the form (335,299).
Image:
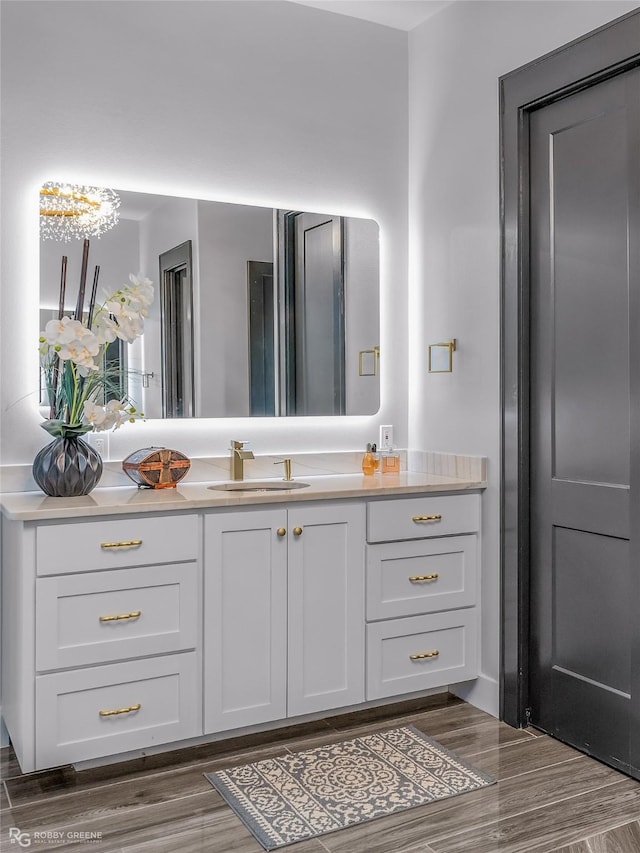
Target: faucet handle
(238,445)
(287,468)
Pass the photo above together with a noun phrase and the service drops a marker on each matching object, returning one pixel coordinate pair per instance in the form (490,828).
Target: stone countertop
(125,500)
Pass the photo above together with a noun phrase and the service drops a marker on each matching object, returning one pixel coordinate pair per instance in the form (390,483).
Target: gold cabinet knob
(282,531)
(297,531)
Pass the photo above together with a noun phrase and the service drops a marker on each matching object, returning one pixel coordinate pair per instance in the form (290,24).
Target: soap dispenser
(368,462)
(376,458)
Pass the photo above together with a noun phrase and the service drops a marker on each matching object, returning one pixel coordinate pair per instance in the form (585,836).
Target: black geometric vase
(67,467)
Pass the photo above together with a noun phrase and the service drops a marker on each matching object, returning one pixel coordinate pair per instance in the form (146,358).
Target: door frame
(597,56)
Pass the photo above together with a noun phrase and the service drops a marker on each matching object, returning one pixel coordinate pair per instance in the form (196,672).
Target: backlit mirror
(258,312)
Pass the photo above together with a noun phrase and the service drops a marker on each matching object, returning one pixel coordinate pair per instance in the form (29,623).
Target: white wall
(116,253)
(270,103)
(362,311)
(171,223)
(455,60)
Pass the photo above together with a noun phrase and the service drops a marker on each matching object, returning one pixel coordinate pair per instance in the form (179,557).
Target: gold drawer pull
(133,615)
(424,578)
(121,711)
(424,655)
(131,543)
(419,518)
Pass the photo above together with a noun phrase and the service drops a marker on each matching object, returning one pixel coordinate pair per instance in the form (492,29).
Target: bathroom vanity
(137,620)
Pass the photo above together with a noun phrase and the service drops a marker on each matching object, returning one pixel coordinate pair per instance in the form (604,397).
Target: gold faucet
(287,468)
(238,455)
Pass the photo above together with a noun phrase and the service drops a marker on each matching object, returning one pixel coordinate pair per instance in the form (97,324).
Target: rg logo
(18,837)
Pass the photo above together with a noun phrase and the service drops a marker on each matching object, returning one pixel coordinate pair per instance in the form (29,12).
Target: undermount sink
(259,486)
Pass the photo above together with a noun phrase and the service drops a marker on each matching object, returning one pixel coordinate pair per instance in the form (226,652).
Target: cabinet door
(245,626)
(326,607)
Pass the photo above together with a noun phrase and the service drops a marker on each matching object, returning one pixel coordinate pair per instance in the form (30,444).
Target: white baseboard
(4,734)
(483,693)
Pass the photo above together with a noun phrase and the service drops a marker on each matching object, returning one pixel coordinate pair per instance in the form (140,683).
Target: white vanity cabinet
(152,628)
(103,623)
(422,580)
(284,598)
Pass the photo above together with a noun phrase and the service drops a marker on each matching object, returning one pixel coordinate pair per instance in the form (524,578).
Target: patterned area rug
(306,794)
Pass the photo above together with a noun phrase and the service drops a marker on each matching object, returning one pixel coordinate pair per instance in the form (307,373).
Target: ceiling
(136,206)
(399,14)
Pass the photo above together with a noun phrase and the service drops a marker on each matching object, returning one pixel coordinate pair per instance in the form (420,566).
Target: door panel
(326,607)
(591,619)
(582,150)
(598,507)
(589,282)
(589,719)
(245,635)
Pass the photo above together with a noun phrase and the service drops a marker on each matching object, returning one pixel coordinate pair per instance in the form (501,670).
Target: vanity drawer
(117,543)
(423,576)
(448,642)
(156,609)
(158,700)
(419,517)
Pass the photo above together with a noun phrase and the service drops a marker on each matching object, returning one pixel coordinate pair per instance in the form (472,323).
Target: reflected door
(176,312)
(314,314)
(262,389)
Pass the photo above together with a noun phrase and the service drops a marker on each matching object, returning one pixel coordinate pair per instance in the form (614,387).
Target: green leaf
(60,429)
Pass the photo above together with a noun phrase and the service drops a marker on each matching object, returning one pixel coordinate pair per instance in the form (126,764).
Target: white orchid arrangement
(72,358)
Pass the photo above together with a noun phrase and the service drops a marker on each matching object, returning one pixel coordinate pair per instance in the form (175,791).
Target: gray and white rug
(309,793)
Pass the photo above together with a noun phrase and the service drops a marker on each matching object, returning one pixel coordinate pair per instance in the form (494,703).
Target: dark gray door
(585,330)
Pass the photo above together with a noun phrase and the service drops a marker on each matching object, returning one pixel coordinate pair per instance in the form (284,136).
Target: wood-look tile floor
(548,796)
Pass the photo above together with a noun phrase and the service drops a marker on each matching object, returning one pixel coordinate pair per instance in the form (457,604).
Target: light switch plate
(386,437)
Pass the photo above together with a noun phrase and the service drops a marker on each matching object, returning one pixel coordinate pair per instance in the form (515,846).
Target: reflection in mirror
(176,332)
(114,365)
(258,312)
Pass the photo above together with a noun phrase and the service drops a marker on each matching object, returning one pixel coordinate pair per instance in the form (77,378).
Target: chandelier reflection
(76,212)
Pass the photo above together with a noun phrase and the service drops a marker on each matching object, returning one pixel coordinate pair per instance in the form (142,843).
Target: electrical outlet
(100,442)
(386,437)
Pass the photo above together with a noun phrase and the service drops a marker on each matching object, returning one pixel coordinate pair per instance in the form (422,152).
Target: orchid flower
(74,367)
